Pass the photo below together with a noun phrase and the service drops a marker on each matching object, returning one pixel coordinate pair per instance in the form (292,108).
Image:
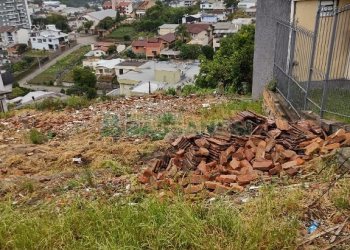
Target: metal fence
(312,68)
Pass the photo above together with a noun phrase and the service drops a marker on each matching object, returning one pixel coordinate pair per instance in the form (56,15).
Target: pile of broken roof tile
(253,148)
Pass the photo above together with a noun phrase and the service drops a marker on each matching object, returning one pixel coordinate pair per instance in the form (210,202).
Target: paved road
(84,40)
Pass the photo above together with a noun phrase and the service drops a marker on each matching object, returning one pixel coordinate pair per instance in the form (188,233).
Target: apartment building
(14,13)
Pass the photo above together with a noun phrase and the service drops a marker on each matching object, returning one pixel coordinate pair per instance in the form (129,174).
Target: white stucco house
(48,39)
(10,35)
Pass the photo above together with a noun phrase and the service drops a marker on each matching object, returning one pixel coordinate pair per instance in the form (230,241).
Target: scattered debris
(225,162)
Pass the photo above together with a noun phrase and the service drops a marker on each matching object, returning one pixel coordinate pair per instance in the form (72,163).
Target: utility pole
(149,87)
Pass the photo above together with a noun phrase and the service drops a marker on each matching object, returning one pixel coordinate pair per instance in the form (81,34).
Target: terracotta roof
(170,37)
(104,44)
(124,4)
(153,45)
(139,43)
(107,4)
(196,28)
(153,40)
(7,29)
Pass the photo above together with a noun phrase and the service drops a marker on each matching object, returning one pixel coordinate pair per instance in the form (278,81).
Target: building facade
(48,39)
(14,13)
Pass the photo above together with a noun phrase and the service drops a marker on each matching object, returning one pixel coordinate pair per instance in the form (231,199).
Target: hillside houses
(48,39)
(151,47)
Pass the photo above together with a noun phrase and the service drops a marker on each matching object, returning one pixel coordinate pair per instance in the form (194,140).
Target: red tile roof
(170,37)
(196,28)
(124,4)
(139,43)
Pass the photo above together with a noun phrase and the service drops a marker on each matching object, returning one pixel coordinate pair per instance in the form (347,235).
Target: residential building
(243,21)
(107,5)
(125,7)
(209,5)
(97,16)
(182,3)
(248,6)
(150,47)
(107,67)
(152,76)
(200,33)
(10,35)
(14,13)
(303,45)
(167,28)
(221,30)
(48,39)
(141,8)
(197,18)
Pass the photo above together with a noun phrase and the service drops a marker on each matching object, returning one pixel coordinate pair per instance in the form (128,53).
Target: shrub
(50,104)
(272,85)
(170,91)
(77,102)
(36,137)
(167,119)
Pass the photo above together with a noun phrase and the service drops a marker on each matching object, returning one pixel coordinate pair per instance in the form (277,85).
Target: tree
(87,26)
(231,3)
(190,51)
(111,49)
(232,65)
(61,22)
(208,52)
(22,47)
(106,23)
(182,32)
(84,83)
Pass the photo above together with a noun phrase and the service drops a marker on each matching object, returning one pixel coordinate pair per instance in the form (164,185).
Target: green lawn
(51,74)
(37,53)
(123,31)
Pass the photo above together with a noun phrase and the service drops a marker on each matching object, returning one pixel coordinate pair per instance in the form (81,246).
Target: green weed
(36,137)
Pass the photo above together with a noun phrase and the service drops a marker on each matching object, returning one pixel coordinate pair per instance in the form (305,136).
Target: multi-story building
(48,39)
(14,13)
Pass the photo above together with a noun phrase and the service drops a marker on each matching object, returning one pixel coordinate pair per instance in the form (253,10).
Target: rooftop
(131,63)
(168,26)
(196,28)
(170,37)
(99,15)
(110,64)
(145,73)
(7,29)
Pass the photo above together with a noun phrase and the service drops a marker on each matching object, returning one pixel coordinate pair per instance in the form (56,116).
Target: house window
(40,41)
(34,39)
(44,40)
(50,40)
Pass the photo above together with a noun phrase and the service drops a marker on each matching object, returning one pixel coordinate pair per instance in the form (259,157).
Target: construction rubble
(252,148)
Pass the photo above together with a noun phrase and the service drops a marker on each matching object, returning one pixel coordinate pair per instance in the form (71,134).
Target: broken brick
(143,179)
(239,154)
(234,164)
(247,178)
(197,179)
(236,187)
(202,167)
(193,189)
(312,148)
(226,178)
(246,167)
(249,154)
(292,171)
(210,184)
(288,154)
(260,150)
(276,170)
(203,152)
(222,189)
(202,143)
(263,165)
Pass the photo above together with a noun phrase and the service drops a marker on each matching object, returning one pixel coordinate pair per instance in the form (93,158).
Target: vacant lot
(61,67)
(47,201)
(124,33)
